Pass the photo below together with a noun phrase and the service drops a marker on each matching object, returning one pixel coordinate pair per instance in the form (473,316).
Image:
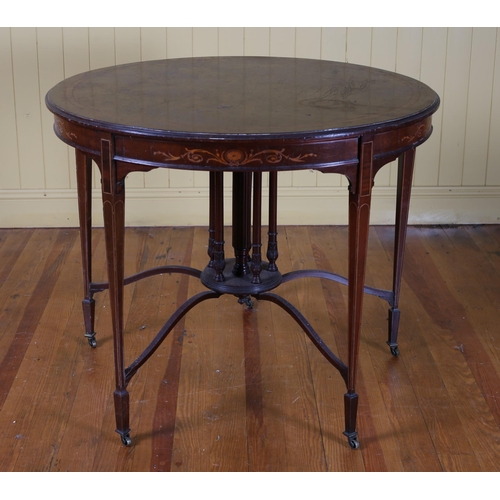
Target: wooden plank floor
(233,389)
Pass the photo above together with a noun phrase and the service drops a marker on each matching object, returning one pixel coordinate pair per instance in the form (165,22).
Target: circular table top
(243,97)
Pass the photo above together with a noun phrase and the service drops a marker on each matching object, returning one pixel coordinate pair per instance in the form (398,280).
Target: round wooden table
(248,116)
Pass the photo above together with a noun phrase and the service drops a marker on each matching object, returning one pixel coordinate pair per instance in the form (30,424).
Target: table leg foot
(352,439)
(90,336)
(88,306)
(394,349)
(126,440)
(392,341)
(351,411)
(121,400)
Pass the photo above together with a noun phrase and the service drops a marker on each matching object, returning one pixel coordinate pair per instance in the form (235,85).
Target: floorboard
(234,388)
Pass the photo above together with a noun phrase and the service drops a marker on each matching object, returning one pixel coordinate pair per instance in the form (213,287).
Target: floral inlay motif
(62,131)
(235,157)
(419,133)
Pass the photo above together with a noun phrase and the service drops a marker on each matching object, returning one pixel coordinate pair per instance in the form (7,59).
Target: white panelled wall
(457,177)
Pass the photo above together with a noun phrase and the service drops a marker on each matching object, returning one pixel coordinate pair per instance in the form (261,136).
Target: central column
(242,195)
(247,274)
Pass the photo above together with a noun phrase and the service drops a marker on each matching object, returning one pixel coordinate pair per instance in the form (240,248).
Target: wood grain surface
(255,395)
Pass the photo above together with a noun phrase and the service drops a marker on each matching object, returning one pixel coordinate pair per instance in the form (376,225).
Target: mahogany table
(248,116)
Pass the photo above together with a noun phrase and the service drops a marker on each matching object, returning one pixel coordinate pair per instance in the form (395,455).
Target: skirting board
(296,206)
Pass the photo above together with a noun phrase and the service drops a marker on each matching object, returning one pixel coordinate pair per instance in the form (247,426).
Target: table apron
(333,154)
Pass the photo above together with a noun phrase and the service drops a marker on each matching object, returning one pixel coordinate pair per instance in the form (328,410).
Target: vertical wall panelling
(383,55)
(127,45)
(384,48)
(180,44)
(9,173)
(101,47)
(75,51)
(359,45)
(282,42)
(101,55)
(128,50)
(154,46)
(493,172)
(333,48)
(432,72)
(28,108)
(408,62)
(76,59)
(231,41)
(303,178)
(153,43)
(51,71)
(409,52)
(205,44)
(307,45)
(455,96)
(457,175)
(179,179)
(479,106)
(358,51)
(333,44)
(256,41)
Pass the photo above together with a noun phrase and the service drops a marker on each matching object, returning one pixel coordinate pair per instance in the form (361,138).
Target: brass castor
(126,440)
(91,339)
